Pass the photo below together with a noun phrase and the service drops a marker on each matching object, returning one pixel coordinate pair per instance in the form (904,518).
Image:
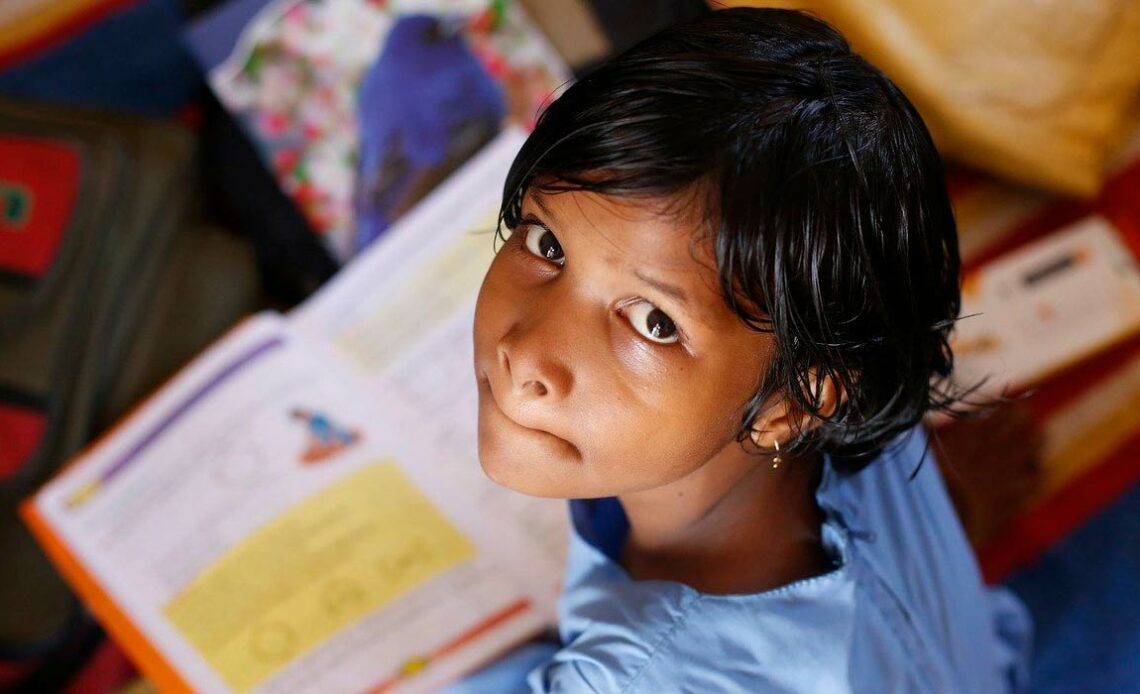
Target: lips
(487,392)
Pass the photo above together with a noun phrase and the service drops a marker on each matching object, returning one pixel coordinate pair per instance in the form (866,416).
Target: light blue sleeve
(614,633)
(657,637)
(535,667)
(571,678)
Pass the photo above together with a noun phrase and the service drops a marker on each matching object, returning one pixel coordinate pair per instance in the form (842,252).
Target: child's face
(607,360)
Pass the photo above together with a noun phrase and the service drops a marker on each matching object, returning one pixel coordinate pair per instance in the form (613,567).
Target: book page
(268,528)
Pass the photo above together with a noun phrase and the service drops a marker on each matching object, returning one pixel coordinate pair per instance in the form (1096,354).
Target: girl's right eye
(542,242)
(652,323)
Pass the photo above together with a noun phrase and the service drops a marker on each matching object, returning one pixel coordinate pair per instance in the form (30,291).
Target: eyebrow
(537,197)
(664,287)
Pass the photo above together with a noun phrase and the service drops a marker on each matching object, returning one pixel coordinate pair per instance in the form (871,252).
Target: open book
(301,508)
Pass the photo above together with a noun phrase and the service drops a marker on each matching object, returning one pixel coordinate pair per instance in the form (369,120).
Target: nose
(533,353)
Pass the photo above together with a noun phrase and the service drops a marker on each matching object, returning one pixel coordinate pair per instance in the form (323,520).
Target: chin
(530,475)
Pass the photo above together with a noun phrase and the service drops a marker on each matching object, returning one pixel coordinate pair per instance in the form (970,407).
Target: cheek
(650,368)
(646,432)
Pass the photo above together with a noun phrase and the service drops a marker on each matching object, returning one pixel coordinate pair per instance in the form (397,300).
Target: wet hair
(823,196)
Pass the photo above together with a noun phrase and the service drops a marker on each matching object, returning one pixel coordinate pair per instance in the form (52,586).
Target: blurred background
(169,166)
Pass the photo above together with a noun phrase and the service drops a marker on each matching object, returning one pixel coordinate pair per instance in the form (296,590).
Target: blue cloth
(426,99)
(1084,595)
(132,60)
(904,609)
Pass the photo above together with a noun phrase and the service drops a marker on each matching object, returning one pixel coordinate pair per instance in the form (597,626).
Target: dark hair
(824,195)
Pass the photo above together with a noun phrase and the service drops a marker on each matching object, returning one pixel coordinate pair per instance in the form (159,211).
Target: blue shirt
(904,609)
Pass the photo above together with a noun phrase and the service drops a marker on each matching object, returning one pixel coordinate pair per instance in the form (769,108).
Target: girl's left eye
(542,242)
(652,323)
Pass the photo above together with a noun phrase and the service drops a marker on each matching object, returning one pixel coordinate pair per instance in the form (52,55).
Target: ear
(781,421)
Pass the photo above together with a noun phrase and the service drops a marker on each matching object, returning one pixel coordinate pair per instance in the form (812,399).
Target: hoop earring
(776,459)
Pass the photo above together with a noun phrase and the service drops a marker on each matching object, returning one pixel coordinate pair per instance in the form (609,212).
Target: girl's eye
(651,322)
(543,243)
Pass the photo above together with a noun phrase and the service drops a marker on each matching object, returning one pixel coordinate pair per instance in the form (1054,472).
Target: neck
(735,525)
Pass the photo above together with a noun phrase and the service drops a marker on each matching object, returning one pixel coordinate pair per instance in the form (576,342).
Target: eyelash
(623,308)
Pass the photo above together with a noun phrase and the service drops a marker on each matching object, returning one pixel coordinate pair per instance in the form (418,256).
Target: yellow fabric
(1035,91)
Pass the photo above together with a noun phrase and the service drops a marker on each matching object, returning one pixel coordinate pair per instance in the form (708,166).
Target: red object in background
(1051,520)
(13,672)
(107,671)
(961,179)
(1067,509)
(21,428)
(39,180)
(1046,524)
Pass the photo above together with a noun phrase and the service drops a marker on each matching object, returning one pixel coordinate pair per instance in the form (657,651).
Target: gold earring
(776,459)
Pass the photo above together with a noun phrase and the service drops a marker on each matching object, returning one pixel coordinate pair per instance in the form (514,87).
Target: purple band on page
(233,367)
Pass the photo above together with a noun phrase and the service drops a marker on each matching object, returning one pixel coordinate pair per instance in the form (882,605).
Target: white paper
(1049,304)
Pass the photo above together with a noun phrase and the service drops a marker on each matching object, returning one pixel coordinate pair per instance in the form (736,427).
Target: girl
(719,316)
